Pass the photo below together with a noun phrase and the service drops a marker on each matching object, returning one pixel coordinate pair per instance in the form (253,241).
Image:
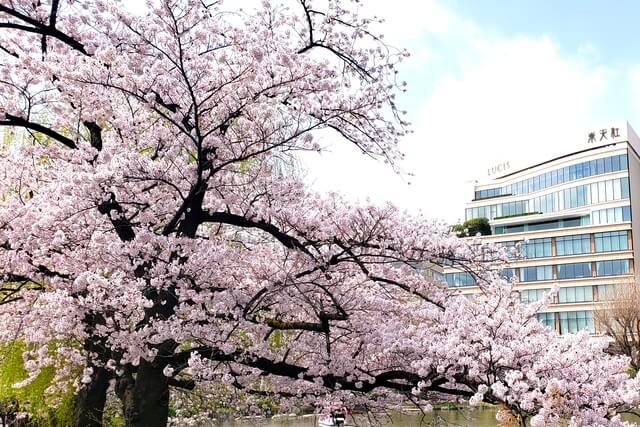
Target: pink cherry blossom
(153,234)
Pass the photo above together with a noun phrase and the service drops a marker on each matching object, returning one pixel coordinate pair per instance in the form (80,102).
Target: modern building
(576,221)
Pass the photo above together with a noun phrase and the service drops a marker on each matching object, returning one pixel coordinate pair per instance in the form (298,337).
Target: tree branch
(241,221)
(41,28)
(16,121)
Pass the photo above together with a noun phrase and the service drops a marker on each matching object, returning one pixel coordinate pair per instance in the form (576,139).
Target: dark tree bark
(90,400)
(146,404)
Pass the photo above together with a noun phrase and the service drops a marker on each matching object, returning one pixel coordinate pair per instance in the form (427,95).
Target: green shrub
(45,410)
(472,227)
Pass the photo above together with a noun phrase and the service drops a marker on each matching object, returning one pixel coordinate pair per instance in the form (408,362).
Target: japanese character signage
(603,135)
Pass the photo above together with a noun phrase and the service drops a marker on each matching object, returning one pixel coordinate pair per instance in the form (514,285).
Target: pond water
(479,418)
(449,418)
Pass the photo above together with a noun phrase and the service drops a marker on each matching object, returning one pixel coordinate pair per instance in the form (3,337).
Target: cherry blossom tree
(620,319)
(149,240)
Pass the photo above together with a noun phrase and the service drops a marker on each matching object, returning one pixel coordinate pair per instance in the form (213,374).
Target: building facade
(574,220)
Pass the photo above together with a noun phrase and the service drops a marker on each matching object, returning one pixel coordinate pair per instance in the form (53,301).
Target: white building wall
(621,141)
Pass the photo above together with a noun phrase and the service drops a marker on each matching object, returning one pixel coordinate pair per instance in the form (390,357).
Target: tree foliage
(473,227)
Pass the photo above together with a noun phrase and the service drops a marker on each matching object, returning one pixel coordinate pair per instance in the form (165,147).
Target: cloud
(480,100)
(411,20)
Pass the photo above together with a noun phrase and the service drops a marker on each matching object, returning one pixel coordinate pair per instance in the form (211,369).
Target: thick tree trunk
(146,404)
(90,400)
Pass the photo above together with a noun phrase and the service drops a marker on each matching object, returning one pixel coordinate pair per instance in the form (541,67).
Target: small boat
(337,419)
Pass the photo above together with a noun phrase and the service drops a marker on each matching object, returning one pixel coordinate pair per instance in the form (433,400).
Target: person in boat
(339,416)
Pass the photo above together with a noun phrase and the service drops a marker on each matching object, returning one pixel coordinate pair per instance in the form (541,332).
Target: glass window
(572,222)
(547,225)
(455,280)
(609,189)
(550,203)
(573,245)
(531,295)
(617,215)
(611,215)
(608,165)
(547,319)
(615,163)
(624,186)
(574,321)
(536,248)
(594,193)
(533,274)
(581,201)
(512,248)
(575,294)
(614,267)
(617,189)
(507,273)
(570,198)
(574,270)
(600,166)
(602,195)
(514,228)
(606,292)
(574,196)
(611,241)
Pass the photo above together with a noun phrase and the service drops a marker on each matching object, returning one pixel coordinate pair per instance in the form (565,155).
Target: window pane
(607,165)
(612,267)
(574,321)
(574,270)
(609,189)
(624,187)
(618,215)
(615,163)
(573,245)
(459,279)
(594,193)
(616,189)
(547,319)
(602,196)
